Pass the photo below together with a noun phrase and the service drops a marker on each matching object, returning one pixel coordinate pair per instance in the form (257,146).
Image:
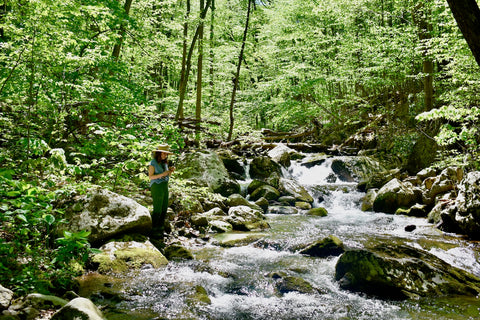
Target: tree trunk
(212,56)
(121,33)
(188,63)
(179,114)
(198,105)
(467,15)
(420,17)
(237,75)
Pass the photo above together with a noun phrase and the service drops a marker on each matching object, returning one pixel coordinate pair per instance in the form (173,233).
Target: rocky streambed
(293,236)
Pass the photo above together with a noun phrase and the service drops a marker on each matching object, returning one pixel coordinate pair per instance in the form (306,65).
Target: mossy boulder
(205,168)
(285,283)
(244,218)
(394,195)
(178,252)
(292,188)
(79,308)
(266,191)
(264,167)
(238,200)
(119,257)
(319,212)
(106,215)
(401,272)
(329,246)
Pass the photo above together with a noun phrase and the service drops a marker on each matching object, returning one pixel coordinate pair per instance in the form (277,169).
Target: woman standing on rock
(159,174)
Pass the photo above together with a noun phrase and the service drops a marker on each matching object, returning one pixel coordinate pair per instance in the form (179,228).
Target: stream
(239,286)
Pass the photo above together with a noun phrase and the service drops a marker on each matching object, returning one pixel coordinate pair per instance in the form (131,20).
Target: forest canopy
(88,88)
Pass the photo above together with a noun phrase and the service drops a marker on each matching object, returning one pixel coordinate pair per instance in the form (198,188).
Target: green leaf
(50,219)
(22,217)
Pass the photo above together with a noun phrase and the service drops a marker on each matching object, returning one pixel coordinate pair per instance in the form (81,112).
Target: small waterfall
(238,282)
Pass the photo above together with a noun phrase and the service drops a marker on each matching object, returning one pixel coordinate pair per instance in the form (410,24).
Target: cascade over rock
(207,169)
(400,272)
(106,215)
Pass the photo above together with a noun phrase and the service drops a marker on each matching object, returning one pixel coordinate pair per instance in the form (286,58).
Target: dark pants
(160,205)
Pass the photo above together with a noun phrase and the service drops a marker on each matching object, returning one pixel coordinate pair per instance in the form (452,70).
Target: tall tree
(179,114)
(188,64)
(467,15)
(237,74)
(198,104)
(121,32)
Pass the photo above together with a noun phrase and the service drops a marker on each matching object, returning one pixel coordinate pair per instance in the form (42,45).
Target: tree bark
(198,104)
(467,15)
(121,33)
(179,114)
(183,84)
(237,75)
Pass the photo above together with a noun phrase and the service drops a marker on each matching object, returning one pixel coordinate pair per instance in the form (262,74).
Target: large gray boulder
(463,214)
(446,181)
(244,218)
(281,154)
(400,272)
(264,167)
(106,215)
(207,169)
(6,296)
(266,191)
(355,168)
(395,194)
(292,188)
(79,308)
(119,257)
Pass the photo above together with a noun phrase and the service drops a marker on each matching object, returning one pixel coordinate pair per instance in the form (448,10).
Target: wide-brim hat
(165,148)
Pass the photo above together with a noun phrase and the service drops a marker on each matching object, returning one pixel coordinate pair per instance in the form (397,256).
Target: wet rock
(400,272)
(6,296)
(394,195)
(232,163)
(410,228)
(238,200)
(319,212)
(314,161)
(292,188)
(287,200)
(118,257)
(178,252)
(281,154)
(236,239)
(264,167)
(367,201)
(288,284)
(254,185)
(355,168)
(200,295)
(329,246)
(79,308)
(244,218)
(219,226)
(417,210)
(199,220)
(378,179)
(106,215)
(262,203)
(303,205)
(282,210)
(266,191)
(205,168)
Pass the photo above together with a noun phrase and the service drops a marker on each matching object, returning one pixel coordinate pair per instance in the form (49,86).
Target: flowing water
(238,280)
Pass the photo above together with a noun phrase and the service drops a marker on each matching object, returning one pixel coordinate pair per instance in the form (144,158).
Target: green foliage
(31,258)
